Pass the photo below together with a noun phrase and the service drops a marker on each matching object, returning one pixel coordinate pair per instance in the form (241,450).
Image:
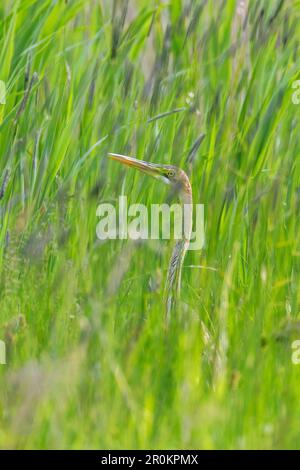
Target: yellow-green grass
(89,364)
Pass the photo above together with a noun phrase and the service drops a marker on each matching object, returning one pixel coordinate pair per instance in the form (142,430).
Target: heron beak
(149,168)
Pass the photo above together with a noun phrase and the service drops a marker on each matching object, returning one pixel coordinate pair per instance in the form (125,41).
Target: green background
(89,364)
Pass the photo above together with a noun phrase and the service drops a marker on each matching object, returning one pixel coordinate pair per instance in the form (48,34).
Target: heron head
(169,174)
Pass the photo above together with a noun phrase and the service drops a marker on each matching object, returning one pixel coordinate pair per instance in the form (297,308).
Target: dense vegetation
(205,85)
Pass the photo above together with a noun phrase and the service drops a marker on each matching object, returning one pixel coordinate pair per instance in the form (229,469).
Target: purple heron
(178,179)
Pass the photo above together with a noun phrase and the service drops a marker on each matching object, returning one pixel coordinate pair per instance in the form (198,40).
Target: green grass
(89,364)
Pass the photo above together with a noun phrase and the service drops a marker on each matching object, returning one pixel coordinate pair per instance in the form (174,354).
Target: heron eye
(171,173)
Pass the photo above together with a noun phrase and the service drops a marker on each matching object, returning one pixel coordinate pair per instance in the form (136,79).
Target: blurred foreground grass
(88,362)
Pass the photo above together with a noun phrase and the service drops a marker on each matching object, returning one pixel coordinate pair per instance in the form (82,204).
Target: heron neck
(186,199)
